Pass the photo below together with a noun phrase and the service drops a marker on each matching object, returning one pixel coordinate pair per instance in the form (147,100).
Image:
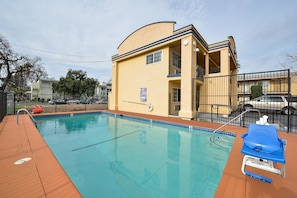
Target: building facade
(278,82)
(102,90)
(42,90)
(160,71)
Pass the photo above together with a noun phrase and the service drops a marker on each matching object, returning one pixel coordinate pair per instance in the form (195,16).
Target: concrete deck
(44,177)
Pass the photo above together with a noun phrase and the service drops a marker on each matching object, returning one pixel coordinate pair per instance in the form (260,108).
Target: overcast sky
(84,34)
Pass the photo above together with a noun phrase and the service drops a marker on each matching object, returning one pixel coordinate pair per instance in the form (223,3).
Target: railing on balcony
(200,72)
(173,75)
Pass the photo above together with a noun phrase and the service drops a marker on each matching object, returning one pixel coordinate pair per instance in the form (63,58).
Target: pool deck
(44,177)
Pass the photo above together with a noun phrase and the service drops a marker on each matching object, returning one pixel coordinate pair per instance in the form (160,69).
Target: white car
(73,101)
(271,102)
(102,101)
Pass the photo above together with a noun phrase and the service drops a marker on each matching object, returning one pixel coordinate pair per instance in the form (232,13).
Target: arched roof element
(145,35)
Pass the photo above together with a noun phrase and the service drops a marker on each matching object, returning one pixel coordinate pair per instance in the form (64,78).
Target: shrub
(256,91)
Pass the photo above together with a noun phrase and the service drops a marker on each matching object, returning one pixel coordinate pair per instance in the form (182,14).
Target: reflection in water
(141,158)
(171,163)
(67,124)
(173,168)
(77,124)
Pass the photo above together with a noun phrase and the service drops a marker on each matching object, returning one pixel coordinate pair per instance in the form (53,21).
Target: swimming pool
(108,155)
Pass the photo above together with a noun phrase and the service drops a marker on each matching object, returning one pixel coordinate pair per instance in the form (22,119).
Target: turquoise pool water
(117,156)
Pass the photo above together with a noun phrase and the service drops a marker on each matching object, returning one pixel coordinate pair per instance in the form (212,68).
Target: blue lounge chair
(262,149)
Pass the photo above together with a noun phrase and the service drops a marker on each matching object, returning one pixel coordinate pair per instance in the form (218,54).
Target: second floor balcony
(176,74)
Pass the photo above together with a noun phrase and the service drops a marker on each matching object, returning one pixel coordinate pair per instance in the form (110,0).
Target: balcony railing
(200,72)
(173,75)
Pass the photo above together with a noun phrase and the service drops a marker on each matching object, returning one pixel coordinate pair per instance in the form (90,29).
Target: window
(158,56)
(149,59)
(276,99)
(245,87)
(264,83)
(175,95)
(291,99)
(176,107)
(154,57)
(176,60)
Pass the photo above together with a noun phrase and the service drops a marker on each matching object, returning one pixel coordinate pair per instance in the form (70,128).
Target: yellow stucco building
(277,82)
(161,71)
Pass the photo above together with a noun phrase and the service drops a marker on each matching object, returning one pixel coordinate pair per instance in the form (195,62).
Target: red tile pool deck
(44,177)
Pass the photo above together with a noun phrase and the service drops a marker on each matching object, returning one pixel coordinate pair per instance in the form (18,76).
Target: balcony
(173,75)
(200,72)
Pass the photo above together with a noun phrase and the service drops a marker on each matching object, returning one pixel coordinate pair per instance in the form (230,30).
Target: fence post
(211,106)
(3,103)
(289,100)
(14,110)
(244,95)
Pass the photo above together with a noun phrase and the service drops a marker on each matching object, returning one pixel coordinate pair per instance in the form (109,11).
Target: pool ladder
(215,140)
(25,110)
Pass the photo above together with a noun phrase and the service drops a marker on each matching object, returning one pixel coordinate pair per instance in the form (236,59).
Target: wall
(130,72)
(145,35)
(134,74)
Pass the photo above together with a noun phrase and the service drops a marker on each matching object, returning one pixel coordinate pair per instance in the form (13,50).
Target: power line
(65,60)
(45,51)
(74,61)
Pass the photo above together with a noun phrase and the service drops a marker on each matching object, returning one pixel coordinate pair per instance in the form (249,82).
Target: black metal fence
(223,99)
(3,105)
(9,106)
(269,92)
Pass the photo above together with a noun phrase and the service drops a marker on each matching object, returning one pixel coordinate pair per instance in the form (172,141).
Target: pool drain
(22,161)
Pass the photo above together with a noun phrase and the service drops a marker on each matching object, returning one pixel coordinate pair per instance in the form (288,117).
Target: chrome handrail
(23,109)
(212,138)
(248,110)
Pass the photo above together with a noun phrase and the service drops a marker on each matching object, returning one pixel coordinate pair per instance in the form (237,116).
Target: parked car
(93,101)
(271,102)
(73,101)
(57,102)
(85,102)
(102,101)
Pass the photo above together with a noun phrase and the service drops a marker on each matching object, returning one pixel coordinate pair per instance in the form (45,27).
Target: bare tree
(16,70)
(39,70)
(9,61)
(290,62)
